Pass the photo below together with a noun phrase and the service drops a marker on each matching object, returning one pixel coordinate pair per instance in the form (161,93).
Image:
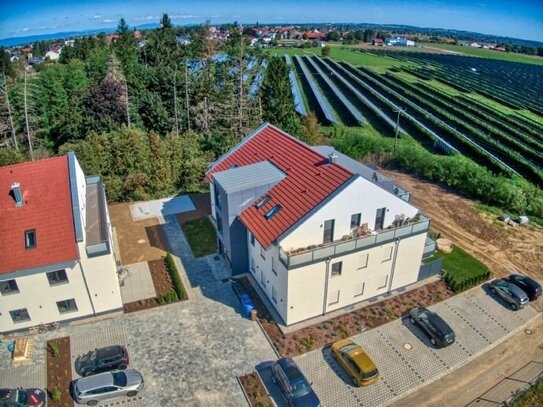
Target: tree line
(149,116)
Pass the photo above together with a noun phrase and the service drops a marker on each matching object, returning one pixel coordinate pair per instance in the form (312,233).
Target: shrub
(55,394)
(176,279)
(54,348)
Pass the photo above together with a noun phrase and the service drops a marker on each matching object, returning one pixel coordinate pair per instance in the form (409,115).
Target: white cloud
(182,16)
(108,20)
(146,18)
(95,17)
(25,29)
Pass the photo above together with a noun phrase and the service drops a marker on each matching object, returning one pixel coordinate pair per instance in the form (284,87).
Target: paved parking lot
(478,320)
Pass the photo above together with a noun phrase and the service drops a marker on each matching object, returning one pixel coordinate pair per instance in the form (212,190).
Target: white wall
(263,267)
(39,297)
(81,194)
(361,196)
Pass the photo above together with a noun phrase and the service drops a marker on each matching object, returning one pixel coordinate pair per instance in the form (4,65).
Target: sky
(519,19)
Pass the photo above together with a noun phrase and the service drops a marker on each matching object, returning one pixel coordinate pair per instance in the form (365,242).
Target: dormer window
(272,212)
(30,238)
(263,202)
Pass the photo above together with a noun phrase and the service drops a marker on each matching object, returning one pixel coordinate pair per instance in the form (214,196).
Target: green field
(486,53)
(341,53)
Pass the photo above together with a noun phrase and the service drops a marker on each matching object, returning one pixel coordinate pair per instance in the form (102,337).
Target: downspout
(396,244)
(326,277)
(87,287)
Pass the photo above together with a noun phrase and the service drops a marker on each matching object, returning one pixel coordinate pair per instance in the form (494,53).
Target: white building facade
(357,240)
(61,264)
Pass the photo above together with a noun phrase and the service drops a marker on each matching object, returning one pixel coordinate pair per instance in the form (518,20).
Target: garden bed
(255,390)
(349,324)
(164,287)
(59,372)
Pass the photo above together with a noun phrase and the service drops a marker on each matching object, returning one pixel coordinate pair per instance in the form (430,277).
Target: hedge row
(461,284)
(167,298)
(174,275)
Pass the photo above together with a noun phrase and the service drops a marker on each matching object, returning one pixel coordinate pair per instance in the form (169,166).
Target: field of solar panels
(488,110)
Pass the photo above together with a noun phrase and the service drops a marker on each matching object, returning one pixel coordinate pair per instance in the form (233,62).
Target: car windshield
(347,348)
(119,379)
(370,374)
(22,397)
(300,388)
(93,357)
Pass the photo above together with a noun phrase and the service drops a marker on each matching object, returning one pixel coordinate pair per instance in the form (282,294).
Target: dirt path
(502,248)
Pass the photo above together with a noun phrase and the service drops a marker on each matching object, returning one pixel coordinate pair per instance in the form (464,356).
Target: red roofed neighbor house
(56,253)
(316,230)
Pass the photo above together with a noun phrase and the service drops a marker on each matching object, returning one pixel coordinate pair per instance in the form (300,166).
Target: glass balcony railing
(342,247)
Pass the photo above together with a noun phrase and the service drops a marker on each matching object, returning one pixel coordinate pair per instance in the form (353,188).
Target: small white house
(56,249)
(52,55)
(316,230)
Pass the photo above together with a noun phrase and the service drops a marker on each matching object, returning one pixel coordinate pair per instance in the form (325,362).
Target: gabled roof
(310,179)
(47,209)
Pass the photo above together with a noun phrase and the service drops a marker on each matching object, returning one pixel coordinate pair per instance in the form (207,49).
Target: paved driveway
(189,352)
(479,321)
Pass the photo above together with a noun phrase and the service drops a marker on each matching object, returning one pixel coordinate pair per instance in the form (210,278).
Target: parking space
(404,356)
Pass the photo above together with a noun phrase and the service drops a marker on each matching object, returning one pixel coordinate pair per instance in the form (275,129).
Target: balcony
(97,231)
(338,248)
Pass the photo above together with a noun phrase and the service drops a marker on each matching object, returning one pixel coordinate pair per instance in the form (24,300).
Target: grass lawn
(532,397)
(487,53)
(201,236)
(342,53)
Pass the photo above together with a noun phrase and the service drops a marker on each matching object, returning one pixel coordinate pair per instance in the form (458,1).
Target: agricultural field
(445,105)
(485,53)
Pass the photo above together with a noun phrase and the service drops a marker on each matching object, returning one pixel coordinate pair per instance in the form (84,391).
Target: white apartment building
(56,249)
(317,230)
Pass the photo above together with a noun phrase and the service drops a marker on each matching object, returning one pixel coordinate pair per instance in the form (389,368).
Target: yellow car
(355,361)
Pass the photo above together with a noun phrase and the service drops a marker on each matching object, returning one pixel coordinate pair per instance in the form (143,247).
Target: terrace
(353,243)
(97,242)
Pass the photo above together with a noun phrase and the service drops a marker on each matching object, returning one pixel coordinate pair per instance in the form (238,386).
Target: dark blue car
(293,384)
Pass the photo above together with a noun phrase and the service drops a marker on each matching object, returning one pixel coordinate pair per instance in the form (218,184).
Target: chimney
(332,157)
(17,195)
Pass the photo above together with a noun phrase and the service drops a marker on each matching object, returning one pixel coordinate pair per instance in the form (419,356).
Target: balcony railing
(344,247)
(97,231)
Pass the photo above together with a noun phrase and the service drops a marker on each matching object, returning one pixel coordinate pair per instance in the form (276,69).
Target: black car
(102,360)
(438,331)
(510,293)
(526,284)
(293,384)
(22,397)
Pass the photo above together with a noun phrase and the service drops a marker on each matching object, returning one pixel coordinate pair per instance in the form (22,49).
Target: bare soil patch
(502,248)
(348,324)
(59,372)
(138,241)
(255,390)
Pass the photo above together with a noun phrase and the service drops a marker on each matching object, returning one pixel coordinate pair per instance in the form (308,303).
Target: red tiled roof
(47,208)
(308,182)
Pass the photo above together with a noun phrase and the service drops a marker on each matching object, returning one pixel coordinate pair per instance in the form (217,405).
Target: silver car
(90,390)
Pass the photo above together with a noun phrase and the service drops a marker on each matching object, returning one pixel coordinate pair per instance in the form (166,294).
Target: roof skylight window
(272,212)
(263,202)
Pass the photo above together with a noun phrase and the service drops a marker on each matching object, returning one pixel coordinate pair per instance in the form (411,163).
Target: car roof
(525,279)
(362,359)
(93,382)
(109,351)
(292,371)
(517,291)
(439,323)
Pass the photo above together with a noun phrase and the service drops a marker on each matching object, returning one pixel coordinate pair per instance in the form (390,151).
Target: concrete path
(161,207)
(138,284)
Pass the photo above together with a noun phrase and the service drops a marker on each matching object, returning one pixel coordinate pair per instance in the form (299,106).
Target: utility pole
(398,110)
(26,118)
(187,93)
(10,117)
(175,101)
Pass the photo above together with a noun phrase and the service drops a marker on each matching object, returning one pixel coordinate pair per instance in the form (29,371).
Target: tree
(326,50)
(277,99)
(311,130)
(333,36)
(125,47)
(165,22)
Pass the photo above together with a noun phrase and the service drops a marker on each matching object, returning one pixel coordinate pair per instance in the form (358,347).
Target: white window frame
(331,300)
(387,255)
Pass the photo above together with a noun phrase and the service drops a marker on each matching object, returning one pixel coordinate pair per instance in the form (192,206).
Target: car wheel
(122,367)
(355,383)
(412,320)
(514,306)
(132,393)
(433,341)
(92,403)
